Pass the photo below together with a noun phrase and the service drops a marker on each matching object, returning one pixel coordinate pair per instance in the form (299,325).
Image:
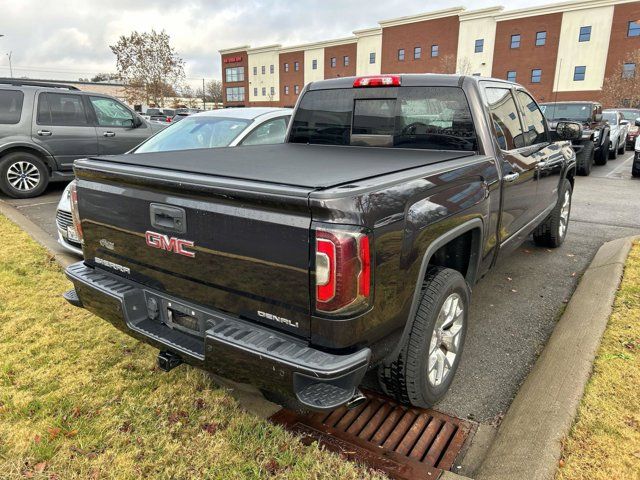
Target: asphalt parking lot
(515,306)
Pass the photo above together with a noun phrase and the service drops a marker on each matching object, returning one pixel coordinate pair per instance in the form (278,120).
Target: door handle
(511,177)
(44,133)
(109,134)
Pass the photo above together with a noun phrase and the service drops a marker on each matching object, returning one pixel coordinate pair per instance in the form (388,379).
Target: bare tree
(622,88)
(464,66)
(213,89)
(148,65)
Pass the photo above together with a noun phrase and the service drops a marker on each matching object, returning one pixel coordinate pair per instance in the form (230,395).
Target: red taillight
(377,81)
(168,119)
(343,271)
(75,216)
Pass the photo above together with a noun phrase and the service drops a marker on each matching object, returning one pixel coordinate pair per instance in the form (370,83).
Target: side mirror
(569,130)
(624,122)
(137,121)
(598,117)
(637,122)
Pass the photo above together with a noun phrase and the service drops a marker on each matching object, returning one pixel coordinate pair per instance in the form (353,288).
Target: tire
(602,156)
(585,159)
(613,154)
(35,179)
(412,376)
(552,232)
(635,168)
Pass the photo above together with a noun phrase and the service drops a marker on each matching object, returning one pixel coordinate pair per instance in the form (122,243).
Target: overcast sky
(69,39)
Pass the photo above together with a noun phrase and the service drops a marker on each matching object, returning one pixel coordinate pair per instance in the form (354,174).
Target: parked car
(618,131)
(44,127)
(630,114)
(161,115)
(214,128)
(352,246)
(593,147)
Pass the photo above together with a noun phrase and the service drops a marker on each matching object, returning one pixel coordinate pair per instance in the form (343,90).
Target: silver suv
(44,127)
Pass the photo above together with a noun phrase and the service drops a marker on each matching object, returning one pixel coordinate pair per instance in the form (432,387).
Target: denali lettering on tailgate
(170,244)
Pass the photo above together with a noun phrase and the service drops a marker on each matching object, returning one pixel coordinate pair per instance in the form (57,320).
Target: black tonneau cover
(309,166)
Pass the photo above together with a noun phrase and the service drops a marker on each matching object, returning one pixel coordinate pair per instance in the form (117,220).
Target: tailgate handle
(169,218)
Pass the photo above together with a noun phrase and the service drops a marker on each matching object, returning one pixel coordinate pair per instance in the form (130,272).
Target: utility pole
(10,67)
(204,105)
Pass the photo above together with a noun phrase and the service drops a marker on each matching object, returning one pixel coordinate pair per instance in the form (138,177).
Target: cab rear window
(406,117)
(10,106)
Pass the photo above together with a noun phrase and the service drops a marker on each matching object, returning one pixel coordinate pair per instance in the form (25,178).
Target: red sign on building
(232,59)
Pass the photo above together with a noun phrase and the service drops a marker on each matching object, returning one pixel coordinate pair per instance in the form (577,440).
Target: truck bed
(314,167)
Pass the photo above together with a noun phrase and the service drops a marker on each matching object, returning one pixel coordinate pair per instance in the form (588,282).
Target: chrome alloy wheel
(564,214)
(23,176)
(445,340)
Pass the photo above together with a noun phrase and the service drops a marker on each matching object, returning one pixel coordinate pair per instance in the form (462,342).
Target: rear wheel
(585,159)
(421,373)
(23,175)
(552,232)
(602,156)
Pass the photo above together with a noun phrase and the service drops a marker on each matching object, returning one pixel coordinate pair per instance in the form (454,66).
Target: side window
(10,106)
(61,109)
(504,116)
(111,113)
(271,131)
(535,129)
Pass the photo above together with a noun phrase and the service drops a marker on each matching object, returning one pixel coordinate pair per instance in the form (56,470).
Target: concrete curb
(249,397)
(528,443)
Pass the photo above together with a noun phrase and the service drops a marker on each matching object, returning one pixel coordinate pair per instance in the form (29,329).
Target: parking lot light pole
(10,67)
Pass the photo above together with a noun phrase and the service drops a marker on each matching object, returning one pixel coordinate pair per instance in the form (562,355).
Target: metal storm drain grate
(403,442)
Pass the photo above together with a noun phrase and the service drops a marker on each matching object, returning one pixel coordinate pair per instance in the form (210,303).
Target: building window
(333,62)
(372,57)
(515,41)
(235,94)
(255,70)
(296,89)
(264,70)
(296,66)
(479,45)
(511,75)
(417,53)
(255,91)
(272,91)
(401,55)
(536,75)
(435,50)
(264,91)
(541,38)
(286,89)
(286,67)
(585,34)
(578,73)
(271,69)
(314,64)
(234,74)
(628,70)
(634,29)
(345,60)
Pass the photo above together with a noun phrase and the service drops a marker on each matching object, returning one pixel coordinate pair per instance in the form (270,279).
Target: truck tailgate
(233,250)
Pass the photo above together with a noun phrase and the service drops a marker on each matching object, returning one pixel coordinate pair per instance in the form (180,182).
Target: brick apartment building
(563,51)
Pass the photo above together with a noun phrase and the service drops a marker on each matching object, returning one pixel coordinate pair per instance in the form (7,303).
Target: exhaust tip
(357,400)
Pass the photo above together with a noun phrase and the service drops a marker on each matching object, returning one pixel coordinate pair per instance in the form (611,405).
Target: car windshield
(630,115)
(610,117)
(567,111)
(195,132)
(153,111)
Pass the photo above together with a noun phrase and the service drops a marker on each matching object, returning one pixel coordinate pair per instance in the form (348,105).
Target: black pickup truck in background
(353,246)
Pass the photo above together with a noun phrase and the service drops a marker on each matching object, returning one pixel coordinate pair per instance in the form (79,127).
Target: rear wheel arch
(45,157)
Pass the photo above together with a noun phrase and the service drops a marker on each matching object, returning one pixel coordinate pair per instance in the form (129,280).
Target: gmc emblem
(170,244)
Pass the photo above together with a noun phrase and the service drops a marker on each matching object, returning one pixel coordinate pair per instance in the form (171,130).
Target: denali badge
(278,319)
(170,244)
(115,266)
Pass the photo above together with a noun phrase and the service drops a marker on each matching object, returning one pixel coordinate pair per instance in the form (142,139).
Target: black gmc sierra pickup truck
(352,246)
